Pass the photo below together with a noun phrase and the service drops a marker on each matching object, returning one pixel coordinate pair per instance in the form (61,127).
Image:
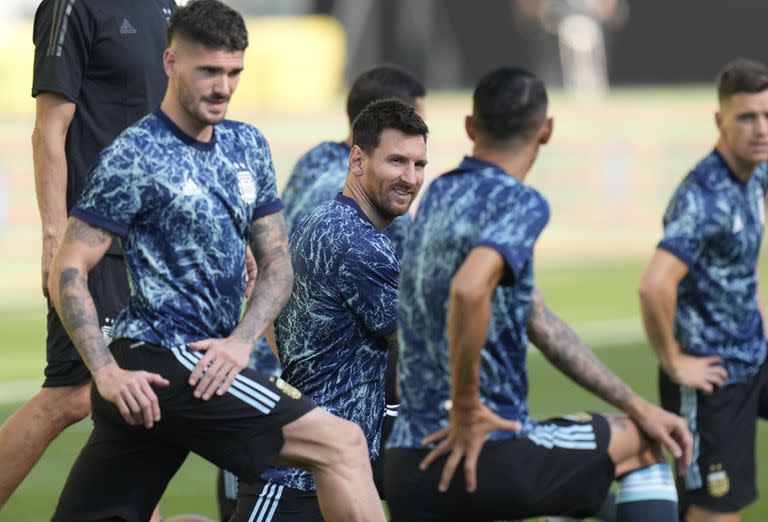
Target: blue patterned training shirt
(318,176)
(714,224)
(182,210)
(477,204)
(331,333)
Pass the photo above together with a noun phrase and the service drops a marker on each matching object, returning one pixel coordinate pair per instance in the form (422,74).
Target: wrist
(105,373)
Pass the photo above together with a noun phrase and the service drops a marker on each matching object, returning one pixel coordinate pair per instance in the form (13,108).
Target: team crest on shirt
(718,483)
(246,186)
(286,388)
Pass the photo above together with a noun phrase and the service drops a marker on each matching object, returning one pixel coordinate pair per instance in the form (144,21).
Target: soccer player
(97,69)
(341,318)
(183,189)
(467,307)
(701,304)
(320,173)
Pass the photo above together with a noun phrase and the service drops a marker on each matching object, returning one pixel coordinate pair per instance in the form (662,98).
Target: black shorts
(268,502)
(123,470)
(562,468)
(722,473)
(108,283)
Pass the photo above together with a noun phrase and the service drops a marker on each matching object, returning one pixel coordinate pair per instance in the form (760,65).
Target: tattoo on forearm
(274,282)
(78,315)
(566,351)
(80,231)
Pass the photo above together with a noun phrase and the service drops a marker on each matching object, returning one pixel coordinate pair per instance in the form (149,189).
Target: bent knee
(66,406)
(629,448)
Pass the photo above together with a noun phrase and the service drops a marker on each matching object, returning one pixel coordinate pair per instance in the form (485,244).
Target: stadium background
(615,157)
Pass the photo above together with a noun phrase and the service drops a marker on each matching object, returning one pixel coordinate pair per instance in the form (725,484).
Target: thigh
(561,468)
(721,477)
(269,502)
(240,431)
(121,473)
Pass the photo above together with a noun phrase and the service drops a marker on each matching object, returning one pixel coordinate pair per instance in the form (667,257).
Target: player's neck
(515,162)
(741,169)
(191,126)
(356,192)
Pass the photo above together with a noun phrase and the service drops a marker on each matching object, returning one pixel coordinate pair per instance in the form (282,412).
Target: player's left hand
(215,372)
(463,438)
(670,430)
(251,271)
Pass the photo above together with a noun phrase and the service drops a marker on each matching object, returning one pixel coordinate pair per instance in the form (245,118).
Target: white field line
(597,334)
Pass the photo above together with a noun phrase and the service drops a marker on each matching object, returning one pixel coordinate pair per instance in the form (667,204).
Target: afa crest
(246,186)
(718,483)
(286,388)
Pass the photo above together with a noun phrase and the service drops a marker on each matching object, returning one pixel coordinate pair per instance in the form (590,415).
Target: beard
(192,106)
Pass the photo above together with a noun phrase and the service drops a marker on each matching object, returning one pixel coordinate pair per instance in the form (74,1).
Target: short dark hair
(509,103)
(741,75)
(381,82)
(386,114)
(210,23)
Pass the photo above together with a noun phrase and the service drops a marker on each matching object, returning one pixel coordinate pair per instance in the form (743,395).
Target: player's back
(475,205)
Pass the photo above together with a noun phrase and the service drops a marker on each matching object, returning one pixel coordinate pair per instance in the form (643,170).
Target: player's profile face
(744,126)
(206,79)
(394,172)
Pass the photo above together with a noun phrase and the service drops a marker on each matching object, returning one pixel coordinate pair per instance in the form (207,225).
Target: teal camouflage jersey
(182,210)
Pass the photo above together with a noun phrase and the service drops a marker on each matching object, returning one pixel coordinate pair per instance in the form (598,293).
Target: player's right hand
(50,245)
(463,438)
(131,392)
(702,373)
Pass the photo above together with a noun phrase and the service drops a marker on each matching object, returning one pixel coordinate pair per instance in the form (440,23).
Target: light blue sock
(647,494)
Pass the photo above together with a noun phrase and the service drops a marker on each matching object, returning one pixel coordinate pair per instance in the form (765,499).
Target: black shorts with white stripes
(123,470)
(561,468)
(261,501)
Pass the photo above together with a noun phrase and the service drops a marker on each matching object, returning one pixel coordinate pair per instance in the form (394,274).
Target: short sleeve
(367,280)
(260,161)
(514,231)
(691,219)
(63,32)
(118,188)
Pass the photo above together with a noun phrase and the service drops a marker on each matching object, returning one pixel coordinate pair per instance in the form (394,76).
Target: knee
(629,447)
(66,406)
(348,443)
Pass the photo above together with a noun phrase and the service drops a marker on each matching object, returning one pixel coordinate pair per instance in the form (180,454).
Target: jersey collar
(183,136)
(350,202)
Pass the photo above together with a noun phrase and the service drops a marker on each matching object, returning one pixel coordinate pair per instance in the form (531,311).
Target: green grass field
(592,297)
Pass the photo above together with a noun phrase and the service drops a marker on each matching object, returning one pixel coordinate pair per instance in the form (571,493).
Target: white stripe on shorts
(577,436)
(265,507)
(247,390)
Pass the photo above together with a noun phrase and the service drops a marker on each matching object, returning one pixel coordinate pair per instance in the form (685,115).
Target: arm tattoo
(274,282)
(78,315)
(567,352)
(80,231)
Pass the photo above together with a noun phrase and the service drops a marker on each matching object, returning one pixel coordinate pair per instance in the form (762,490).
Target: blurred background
(633,100)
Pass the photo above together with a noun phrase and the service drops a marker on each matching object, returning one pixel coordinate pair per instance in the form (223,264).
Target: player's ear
(469,126)
(169,62)
(719,121)
(546,131)
(357,158)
